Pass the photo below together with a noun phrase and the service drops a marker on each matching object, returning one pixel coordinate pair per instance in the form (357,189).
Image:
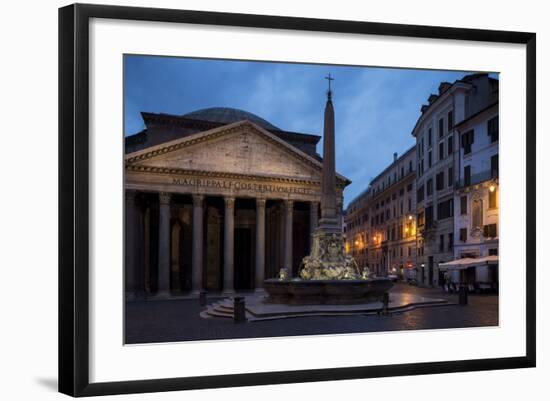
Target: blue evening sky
(375,108)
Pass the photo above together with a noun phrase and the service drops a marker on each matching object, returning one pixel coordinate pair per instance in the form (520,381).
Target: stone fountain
(327,275)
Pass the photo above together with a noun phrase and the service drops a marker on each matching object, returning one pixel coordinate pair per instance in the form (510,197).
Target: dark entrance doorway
(441,279)
(243,259)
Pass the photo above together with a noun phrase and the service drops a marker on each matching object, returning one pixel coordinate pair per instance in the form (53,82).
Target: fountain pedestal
(327,276)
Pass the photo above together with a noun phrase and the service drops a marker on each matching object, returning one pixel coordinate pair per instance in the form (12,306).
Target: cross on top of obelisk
(329,78)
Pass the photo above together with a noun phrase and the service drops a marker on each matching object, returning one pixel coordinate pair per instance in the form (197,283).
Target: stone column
(164,245)
(130,249)
(287,262)
(260,245)
(228,246)
(197,260)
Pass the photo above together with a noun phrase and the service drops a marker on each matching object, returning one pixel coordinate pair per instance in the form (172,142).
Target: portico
(218,211)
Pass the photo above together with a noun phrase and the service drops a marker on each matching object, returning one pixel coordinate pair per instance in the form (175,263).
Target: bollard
(202,298)
(463,295)
(239,314)
(385,303)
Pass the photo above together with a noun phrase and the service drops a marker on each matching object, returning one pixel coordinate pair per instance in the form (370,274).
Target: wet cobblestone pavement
(179,320)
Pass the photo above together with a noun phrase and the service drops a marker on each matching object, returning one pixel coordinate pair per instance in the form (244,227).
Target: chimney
(443,86)
(394,156)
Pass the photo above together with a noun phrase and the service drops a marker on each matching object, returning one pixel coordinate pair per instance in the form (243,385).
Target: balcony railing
(477,178)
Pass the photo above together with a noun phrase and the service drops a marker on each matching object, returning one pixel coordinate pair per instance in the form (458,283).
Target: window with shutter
(492,129)
(467,175)
(494,166)
(429,217)
(463,205)
(440,181)
(467,141)
(490,230)
(463,234)
(493,199)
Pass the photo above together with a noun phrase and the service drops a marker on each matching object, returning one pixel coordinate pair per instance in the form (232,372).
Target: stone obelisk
(329,222)
(327,260)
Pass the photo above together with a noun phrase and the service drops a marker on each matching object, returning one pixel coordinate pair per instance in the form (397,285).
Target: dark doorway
(243,259)
(431,269)
(185,250)
(300,236)
(441,279)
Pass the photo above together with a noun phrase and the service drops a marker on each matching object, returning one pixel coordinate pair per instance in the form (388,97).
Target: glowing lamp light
(492,188)
(410,217)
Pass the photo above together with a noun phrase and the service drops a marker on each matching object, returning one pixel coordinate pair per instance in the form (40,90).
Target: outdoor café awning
(464,263)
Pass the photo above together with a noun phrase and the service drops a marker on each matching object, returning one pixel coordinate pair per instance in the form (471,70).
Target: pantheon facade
(217,200)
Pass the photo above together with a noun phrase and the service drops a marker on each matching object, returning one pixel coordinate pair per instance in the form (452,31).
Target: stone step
(217,313)
(224,308)
(204,314)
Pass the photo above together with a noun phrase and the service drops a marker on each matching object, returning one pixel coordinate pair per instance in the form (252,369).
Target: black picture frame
(74,198)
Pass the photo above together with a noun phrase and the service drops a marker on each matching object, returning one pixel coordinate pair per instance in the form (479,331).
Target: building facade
(217,200)
(357,228)
(446,206)
(381,222)
(438,152)
(477,194)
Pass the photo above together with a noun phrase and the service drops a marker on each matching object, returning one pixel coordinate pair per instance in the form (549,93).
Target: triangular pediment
(238,148)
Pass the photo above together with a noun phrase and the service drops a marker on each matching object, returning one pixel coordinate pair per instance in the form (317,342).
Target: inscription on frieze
(241,186)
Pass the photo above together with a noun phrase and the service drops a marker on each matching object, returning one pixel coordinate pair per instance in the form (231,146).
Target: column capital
(164,198)
(229,202)
(197,199)
(260,203)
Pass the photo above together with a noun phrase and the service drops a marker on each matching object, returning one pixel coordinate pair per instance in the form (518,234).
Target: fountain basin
(312,292)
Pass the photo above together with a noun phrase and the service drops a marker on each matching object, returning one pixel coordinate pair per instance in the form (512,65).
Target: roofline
(411,149)
(449,90)
(148,115)
(358,197)
(369,187)
(467,119)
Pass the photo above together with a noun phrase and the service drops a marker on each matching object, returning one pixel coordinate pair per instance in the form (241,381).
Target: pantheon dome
(228,115)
